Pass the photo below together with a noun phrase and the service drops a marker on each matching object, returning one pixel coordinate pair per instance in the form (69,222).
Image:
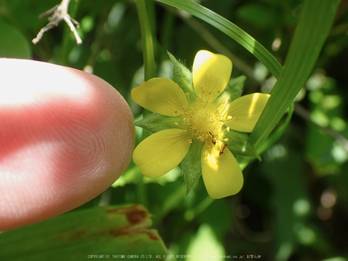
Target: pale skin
(65,137)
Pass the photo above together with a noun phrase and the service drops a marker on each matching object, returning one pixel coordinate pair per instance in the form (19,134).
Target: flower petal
(211,73)
(160,95)
(246,110)
(222,175)
(161,152)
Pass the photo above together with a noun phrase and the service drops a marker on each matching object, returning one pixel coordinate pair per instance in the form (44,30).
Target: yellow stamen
(200,138)
(205,121)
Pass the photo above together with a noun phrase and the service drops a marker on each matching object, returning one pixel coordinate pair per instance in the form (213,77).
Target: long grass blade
(311,32)
(231,30)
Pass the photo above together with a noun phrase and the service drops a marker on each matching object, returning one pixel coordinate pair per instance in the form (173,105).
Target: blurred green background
(293,205)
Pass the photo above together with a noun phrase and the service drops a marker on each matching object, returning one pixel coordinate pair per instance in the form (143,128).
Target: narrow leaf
(231,30)
(313,27)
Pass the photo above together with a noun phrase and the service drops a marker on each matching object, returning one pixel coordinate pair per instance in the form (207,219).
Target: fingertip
(65,138)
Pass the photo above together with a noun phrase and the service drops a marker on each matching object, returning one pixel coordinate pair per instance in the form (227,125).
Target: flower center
(204,121)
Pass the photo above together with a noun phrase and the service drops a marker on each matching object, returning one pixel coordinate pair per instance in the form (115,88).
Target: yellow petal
(160,95)
(245,111)
(222,175)
(211,73)
(161,152)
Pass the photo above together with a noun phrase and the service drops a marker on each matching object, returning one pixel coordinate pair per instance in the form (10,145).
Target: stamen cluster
(205,121)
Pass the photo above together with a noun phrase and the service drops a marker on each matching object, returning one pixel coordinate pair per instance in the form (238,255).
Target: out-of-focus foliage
(13,43)
(293,205)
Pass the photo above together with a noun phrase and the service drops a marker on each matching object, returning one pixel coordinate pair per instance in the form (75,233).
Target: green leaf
(191,165)
(233,90)
(182,76)
(155,122)
(313,27)
(240,144)
(231,30)
(13,43)
(116,230)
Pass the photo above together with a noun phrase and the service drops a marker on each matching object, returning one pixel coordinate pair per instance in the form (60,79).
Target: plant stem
(147,39)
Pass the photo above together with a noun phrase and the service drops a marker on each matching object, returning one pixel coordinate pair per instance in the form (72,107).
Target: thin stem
(149,70)
(190,214)
(147,39)
(170,203)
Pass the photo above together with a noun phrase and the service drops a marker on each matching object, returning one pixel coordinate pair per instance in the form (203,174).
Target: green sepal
(155,122)
(191,165)
(233,90)
(183,77)
(240,144)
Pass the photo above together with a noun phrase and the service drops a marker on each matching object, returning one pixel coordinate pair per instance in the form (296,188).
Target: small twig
(49,12)
(59,13)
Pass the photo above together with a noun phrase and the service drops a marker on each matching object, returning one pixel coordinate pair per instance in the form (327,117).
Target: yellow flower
(202,118)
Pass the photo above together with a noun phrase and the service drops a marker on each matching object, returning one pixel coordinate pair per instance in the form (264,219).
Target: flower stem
(149,68)
(190,214)
(147,38)
(170,203)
